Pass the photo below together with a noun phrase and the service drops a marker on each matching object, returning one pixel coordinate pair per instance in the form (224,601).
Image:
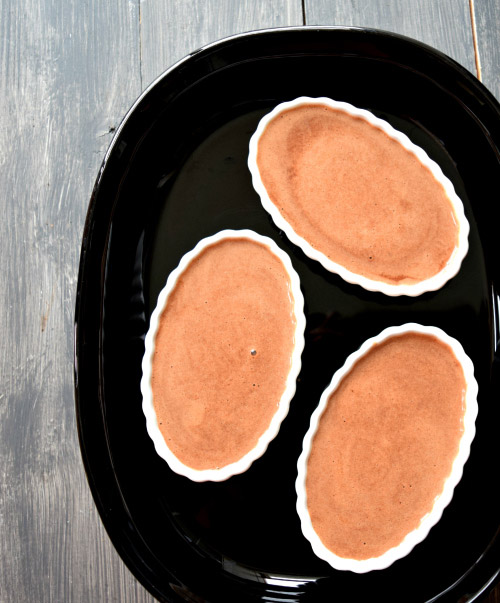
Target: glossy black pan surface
(176,172)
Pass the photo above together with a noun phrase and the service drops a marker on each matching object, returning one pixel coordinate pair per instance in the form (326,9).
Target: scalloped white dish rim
(433,283)
(441,501)
(161,447)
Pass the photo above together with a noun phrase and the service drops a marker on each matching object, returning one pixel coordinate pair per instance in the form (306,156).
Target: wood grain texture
(66,78)
(171,30)
(445,24)
(487,21)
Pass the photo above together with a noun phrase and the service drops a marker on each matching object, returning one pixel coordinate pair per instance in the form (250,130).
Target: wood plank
(487,20)
(68,72)
(445,25)
(171,30)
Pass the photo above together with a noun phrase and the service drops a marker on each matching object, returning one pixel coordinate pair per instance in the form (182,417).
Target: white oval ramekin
(430,284)
(428,521)
(154,432)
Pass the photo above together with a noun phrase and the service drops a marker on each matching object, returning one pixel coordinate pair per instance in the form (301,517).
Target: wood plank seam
(140,44)
(474,39)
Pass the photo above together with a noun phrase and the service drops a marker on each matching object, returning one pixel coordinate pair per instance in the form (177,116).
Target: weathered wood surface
(445,24)
(171,30)
(69,70)
(487,22)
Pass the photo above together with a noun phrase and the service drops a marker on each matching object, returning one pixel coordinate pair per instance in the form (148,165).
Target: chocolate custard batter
(223,353)
(357,195)
(385,445)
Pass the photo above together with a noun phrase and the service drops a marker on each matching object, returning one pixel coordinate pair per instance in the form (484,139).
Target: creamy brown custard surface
(385,445)
(223,353)
(356,195)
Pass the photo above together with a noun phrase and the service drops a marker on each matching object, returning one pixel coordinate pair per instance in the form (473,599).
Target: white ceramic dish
(222,473)
(441,501)
(430,284)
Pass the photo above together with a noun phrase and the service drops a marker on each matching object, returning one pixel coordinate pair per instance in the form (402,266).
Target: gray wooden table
(69,70)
